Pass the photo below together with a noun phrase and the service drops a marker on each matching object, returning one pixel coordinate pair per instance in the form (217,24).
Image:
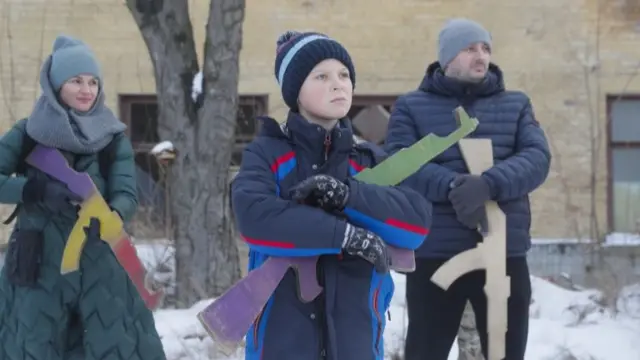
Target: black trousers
(435,314)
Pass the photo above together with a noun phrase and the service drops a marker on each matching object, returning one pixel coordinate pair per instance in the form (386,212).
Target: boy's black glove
(323,191)
(367,245)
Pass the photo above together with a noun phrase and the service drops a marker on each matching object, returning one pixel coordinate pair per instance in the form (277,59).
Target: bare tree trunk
(203,133)
(469,347)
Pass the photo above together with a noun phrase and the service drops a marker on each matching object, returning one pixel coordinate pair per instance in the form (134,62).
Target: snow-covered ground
(612,239)
(564,324)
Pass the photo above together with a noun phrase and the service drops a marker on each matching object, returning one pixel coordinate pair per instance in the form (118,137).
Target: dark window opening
(623,171)
(144,123)
(140,114)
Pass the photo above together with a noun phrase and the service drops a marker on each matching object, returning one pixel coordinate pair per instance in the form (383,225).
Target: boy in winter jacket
(295,196)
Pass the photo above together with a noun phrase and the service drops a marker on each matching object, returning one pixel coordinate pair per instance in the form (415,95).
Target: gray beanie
(457,35)
(71,57)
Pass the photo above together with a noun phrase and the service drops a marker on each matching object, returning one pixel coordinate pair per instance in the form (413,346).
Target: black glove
(93,231)
(52,194)
(468,196)
(323,191)
(367,245)
(476,220)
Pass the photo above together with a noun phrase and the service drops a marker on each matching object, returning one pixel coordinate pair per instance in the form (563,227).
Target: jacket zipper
(321,309)
(258,320)
(322,318)
(256,327)
(376,310)
(327,146)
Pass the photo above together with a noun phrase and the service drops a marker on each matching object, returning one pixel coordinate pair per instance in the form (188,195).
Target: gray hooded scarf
(56,125)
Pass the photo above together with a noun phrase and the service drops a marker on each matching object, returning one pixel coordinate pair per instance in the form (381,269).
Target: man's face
(471,64)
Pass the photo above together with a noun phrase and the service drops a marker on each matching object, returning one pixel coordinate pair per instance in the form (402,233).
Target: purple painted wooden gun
(228,318)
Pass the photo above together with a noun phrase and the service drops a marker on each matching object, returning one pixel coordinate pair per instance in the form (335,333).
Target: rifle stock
(490,255)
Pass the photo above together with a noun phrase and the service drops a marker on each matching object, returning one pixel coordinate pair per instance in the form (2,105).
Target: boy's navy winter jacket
(347,320)
(520,151)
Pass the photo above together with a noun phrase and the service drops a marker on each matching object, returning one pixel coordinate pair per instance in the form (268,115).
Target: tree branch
(221,69)
(166,29)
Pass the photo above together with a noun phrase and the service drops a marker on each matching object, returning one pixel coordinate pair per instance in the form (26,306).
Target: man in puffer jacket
(464,76)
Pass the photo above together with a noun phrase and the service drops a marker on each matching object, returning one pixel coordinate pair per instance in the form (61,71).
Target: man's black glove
(323,191)
(476,220)
(367,245)
(52,194)
(468,196)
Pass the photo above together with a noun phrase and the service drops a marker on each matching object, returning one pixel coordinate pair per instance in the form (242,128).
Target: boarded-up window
(369,116)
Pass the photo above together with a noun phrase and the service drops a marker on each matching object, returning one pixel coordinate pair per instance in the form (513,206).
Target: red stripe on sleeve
(281,160)
(276,244)
(404,226)
(356,166)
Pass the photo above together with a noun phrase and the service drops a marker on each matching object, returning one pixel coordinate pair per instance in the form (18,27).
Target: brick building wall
(547,48)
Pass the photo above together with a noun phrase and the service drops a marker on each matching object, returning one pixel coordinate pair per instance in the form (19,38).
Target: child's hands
(367,245)
(322,191)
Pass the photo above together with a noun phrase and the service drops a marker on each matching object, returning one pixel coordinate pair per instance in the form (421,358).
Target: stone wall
(546,48)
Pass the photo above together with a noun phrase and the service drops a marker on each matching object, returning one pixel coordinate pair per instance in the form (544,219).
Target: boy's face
(326,93)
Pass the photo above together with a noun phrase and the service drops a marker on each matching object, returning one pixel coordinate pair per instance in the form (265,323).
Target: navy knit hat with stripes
(297,54)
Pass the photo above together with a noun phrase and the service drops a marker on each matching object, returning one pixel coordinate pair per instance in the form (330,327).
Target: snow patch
(162,146)
(612,239)
(196,88)
(622,239)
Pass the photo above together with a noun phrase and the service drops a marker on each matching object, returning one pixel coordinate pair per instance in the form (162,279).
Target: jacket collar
(436,82)
(310,137)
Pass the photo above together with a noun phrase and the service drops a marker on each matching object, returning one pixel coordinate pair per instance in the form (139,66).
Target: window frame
(126,100)
(612,146)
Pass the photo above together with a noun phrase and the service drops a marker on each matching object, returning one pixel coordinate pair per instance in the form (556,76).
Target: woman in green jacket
(95,313)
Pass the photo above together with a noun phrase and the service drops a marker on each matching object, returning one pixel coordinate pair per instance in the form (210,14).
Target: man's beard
(467,77)
(473,79)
